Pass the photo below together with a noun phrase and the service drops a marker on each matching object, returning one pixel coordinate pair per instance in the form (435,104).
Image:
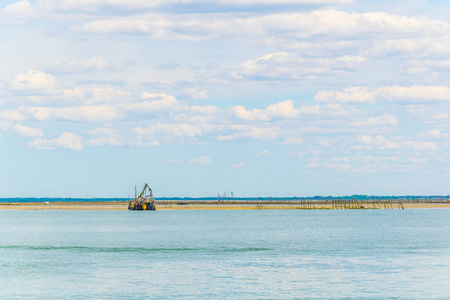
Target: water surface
(264,254)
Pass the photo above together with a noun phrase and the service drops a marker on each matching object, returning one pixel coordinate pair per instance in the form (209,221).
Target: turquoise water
(236,254)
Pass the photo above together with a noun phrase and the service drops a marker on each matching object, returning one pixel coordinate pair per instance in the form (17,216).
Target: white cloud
(204,109)
(292,141)
(158,102)
(421,66)
(400,94)
(106,136)
(421,145)
(107,95)
(96,63)
(269,133)
(329,109)
(202,160)
(414,47)
(169,133)
(440,116)
(154,25)
(141,6)
(256,114)
(433,134)
(384,120)
(66,140)
(21,9)
(91,5)
(284,65)
(160,129)
(380,142)
(415,93)
(263,153)
(283,110)
(377,141)
(110,141)
(238,165)
(34,81)
(105,131)
(196,93)
(91,113)
(335,23)
(12,115)
(28,131)
(149,105)
(330,165)
(349,95)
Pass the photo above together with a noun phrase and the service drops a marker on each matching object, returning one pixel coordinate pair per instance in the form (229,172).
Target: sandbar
(195,206)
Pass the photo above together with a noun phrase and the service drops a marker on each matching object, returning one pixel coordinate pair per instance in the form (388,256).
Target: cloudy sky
(258,97)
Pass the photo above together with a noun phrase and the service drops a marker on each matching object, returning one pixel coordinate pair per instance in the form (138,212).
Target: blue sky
(258,97)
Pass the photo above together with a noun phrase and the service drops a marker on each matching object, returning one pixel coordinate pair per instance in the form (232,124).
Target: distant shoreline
(214,206)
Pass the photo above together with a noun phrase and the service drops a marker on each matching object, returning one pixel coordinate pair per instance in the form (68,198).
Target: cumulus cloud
(28,131)
(66,140)
(21,9)
(238,165)
(35,81)
(96,63)
(284,110)
(202,160)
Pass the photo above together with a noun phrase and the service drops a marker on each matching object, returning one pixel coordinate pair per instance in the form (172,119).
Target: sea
(225,254)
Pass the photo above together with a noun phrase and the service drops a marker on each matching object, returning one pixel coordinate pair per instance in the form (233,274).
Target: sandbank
(195,206)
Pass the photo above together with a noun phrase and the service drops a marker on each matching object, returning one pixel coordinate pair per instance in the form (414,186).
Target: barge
(145,201)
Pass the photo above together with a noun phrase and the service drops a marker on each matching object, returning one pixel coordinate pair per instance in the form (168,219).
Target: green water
(236,254)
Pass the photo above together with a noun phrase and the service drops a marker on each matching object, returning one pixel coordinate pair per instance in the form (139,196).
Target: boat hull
(141,204)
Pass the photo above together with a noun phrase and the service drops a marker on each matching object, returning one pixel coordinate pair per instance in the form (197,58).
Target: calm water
(263,254)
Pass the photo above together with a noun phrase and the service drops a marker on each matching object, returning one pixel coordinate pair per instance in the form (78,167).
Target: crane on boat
(145,201)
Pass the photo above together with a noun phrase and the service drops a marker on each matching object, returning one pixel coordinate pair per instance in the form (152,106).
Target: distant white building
(228,194)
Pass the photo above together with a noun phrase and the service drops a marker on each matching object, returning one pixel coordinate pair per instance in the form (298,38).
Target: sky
(270,98)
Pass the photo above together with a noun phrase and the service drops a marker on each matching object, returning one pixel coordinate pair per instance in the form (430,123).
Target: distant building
(228,194)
